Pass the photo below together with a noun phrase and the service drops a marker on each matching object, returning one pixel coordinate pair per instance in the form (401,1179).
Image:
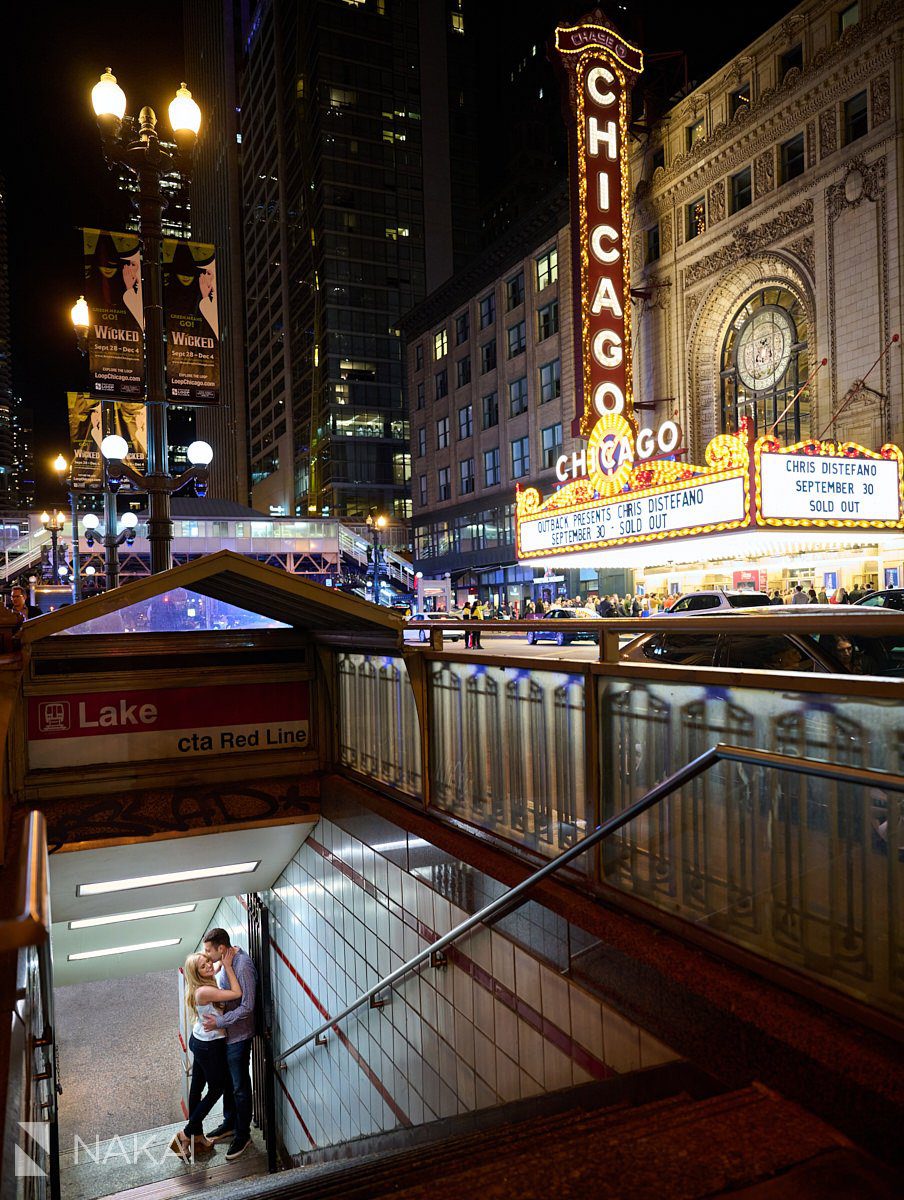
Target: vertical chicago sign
(598,66)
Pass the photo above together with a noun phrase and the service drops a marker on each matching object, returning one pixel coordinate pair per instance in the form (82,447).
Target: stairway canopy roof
(235,580)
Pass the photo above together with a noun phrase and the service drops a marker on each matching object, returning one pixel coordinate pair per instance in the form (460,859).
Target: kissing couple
(220,991)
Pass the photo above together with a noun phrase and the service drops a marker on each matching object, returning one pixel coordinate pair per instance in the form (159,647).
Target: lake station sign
(152,724)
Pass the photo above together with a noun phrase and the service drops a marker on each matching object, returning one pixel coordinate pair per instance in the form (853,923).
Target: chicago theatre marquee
(742,262)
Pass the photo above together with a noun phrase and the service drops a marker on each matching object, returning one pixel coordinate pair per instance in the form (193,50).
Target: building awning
(767,547)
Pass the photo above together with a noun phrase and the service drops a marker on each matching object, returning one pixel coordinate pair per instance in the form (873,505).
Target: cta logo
(53,716)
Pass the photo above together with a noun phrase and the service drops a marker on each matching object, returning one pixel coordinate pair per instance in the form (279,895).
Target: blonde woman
(208,1047)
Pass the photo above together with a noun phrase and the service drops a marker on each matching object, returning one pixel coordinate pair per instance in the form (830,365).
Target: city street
(509,644)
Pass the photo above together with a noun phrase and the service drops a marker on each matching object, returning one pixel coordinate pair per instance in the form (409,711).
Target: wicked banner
(90,420)
(192,326)
(116,311)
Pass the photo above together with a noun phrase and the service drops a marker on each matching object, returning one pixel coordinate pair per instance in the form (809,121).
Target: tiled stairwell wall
(494,1025)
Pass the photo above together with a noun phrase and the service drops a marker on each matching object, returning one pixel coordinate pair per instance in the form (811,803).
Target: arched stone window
(764,362)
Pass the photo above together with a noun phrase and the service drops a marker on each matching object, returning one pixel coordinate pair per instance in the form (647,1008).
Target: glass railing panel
(379,733)
(509,754)
(808,872)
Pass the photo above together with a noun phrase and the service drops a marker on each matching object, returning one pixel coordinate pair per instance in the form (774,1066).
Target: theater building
(762,245)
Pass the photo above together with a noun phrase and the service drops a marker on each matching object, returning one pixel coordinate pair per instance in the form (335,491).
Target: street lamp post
(376,524)
(112,539)
(135,145)
(55,524)
(60,465)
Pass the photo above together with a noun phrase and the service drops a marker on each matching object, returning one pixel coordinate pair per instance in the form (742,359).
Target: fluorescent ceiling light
(172,910)
(123,949)
(142,881)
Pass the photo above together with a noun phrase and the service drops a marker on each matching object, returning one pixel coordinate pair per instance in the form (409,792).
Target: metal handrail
(517,895)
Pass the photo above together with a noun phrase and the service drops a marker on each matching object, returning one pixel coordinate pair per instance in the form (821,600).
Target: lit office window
(551,444)
(550,381)
(466,476)
(547,321)
(547,268)
(520,457)
(696,218)
(518,396)
(491,469)
(517,339)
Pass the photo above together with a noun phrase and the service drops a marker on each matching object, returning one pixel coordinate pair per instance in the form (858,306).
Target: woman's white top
(198,1030)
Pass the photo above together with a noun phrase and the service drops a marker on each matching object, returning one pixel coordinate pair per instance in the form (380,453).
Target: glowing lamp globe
(108,98)
(200,454)
(128,520)
(90,521)
(114,447)
(60,464)
(184,114)
(90,570)
(81,318)
(62,572)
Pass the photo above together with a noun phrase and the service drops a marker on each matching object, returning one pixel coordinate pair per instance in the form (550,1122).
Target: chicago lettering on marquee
(598,65)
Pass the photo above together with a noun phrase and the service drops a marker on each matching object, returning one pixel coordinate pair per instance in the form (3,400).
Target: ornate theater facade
(736,283)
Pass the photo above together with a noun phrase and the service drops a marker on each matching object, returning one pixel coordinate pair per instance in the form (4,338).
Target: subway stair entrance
(494,1069)
(660,1132)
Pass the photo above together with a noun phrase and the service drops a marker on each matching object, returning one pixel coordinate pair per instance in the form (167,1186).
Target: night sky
(56,179)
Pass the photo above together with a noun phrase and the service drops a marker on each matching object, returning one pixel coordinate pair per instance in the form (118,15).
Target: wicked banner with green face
(192,325)
(115,311)
(90,420)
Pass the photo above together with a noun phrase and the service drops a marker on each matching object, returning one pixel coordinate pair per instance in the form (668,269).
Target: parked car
(419,625)
(889,598)
(561,637)
(717,598)
(791,648)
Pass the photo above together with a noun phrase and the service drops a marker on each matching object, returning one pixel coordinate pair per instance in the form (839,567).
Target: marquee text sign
(641,517)
(81,728)
(745,485)
(829,485)
(598,65)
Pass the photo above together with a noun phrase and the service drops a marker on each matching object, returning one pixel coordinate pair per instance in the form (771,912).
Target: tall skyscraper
(359,174)
(7,461)
(16,465)
(174,185)
(213,45)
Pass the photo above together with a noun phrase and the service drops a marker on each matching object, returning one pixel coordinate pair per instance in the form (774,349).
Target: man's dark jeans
(209,1067)
(237,1096)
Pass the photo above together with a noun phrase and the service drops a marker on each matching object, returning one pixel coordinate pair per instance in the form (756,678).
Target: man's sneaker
(223,1133)
(237,1148)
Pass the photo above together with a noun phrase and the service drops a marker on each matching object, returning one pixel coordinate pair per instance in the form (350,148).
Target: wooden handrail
(30,926)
